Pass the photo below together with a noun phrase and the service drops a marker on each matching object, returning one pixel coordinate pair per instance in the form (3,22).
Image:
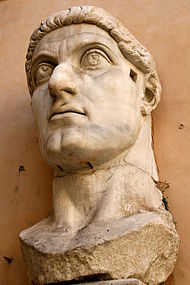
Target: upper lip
(64,110)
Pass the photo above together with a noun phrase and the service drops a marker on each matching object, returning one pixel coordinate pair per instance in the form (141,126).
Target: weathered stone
(117,282)
(93,88)
(143,246)
(130,281)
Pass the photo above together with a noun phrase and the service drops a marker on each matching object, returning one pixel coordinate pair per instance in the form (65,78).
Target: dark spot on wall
(181,126)
(16,189)
(21,168)
(8,259)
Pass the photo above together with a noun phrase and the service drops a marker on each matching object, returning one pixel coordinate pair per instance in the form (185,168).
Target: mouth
(62,114)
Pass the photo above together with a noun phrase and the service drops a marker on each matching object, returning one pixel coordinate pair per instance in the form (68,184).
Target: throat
(77,197)
(103,195)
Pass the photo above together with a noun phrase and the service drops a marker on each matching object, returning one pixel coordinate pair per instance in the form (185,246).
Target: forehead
(79,34)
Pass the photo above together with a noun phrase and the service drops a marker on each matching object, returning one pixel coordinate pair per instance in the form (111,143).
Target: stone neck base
(143,246)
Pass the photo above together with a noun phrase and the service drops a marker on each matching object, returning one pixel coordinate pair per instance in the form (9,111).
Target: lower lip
(65,115)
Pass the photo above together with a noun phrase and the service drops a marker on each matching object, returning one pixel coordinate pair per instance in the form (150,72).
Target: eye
(95,59)
(43,72)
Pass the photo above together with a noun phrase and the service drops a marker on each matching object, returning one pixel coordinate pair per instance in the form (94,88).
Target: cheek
(41,104)
(114,97)
(114,85)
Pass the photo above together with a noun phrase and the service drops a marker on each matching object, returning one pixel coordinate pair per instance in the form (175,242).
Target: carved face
(87,96)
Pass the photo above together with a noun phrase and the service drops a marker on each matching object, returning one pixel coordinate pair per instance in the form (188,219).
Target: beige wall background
(163,26)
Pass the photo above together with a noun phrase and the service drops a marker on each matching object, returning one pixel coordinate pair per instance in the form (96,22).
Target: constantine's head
(91,84)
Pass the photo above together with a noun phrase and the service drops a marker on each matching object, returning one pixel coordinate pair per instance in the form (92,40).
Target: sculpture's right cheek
(41,105)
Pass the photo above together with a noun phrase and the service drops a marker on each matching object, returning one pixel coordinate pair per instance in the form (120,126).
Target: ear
(151,96)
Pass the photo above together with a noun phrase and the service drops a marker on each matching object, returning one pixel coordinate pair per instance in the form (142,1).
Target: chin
(65,150)
(75,149)
(75,157)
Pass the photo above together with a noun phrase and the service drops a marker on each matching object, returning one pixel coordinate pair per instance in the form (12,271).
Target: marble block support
(143,246)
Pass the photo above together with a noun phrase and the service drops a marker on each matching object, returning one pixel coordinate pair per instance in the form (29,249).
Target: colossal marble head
(92,84)
(93,87)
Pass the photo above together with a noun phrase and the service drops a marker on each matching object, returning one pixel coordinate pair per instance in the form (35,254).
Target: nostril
(68,89)
(61,87)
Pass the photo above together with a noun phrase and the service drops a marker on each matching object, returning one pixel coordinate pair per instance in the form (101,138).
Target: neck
(109,192)
(77,197)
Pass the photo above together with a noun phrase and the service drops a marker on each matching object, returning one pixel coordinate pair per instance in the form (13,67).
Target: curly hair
(127,43)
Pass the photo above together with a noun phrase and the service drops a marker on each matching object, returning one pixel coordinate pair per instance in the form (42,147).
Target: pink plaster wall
(163,26)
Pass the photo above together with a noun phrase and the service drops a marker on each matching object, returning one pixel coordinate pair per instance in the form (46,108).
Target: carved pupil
(45,68)
(93,59)
(43,71)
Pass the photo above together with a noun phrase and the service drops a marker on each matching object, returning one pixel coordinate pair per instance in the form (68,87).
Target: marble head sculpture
(93,87)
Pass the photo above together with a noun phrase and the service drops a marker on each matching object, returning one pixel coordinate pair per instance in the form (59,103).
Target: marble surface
(93,88)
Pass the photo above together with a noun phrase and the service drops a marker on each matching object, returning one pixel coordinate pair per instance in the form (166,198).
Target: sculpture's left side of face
(85,103)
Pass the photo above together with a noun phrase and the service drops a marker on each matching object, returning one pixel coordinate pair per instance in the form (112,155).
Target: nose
(62,82)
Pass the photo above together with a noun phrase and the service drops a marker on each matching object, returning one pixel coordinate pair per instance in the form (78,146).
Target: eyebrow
(85,42)
(43,55)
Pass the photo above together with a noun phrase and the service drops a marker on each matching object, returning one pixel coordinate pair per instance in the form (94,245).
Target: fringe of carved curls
(127,43)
